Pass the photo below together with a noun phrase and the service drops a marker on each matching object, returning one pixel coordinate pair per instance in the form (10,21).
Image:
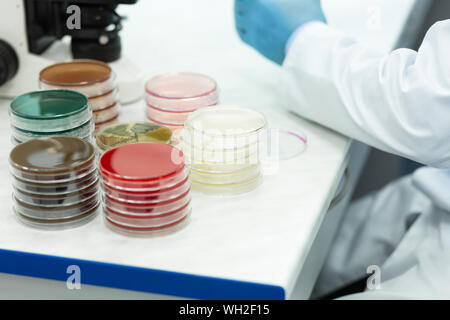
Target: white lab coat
(399,103)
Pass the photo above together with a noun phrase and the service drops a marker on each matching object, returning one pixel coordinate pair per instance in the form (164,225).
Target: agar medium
(146,188)
(94,79)
(51,113)
(126,133)
(171,98)
(221,146)
(54,182)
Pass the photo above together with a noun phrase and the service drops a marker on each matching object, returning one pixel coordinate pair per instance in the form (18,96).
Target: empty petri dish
(152,221)
(291,144)
(56,188)
(181,91)
(56,212)
(56,200)
(56,224)
(84,130)
(126,133)
(148,196)
(50,111)
(143,165)
(90,77)
(52,160)
(134,208)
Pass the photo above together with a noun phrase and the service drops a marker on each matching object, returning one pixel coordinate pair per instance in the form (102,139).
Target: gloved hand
(266,25)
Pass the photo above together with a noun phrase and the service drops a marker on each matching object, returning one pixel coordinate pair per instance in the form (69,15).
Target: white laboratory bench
(267,244)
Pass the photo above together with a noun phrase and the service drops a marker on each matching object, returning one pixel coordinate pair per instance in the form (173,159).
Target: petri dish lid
(52,155)
(84,128)
(226,121)
(144,161)
(57,188)
(49,104)
(181,91)
(126,133)
(149,231)
(57,224)
(75,73)
(285,139)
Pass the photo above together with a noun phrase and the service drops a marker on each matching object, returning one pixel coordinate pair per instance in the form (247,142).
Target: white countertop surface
(261,237)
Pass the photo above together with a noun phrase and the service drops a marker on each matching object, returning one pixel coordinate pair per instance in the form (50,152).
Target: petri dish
(84,130)
(52,160)
(226,122)
(100,126)
(291,144)
(143,165)
(176,129)
(148,196)
(236,177)
(226,189)
(181,91)
(127,133)
(175,118)
(56,200)
(57,224)
(56,212)
(221,167)
(204,141)
(134,208)
(140,186)
(147,221)
(285,136)
(148,232)
(238,155)
(104,101)
(50,111)
(90,77)
(106,114)
(57,188)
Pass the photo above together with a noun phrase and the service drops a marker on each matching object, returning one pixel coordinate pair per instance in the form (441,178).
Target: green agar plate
(50,111)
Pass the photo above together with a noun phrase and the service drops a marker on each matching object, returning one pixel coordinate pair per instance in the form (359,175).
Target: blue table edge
(135,278)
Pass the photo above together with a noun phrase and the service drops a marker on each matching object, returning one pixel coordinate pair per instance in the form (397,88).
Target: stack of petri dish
(126,133)
(146,189)
(222,146)
(51,113)
(94,79)
(55,182)
(172,97)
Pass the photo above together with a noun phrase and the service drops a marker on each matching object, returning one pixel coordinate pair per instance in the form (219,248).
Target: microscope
(28,28)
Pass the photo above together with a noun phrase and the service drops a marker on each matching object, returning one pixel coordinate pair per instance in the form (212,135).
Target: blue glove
(266,25)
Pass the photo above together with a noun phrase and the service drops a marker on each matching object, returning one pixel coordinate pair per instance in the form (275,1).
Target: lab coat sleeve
(397,102)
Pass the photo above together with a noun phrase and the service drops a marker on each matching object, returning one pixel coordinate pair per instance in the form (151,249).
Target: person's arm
(398,102)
